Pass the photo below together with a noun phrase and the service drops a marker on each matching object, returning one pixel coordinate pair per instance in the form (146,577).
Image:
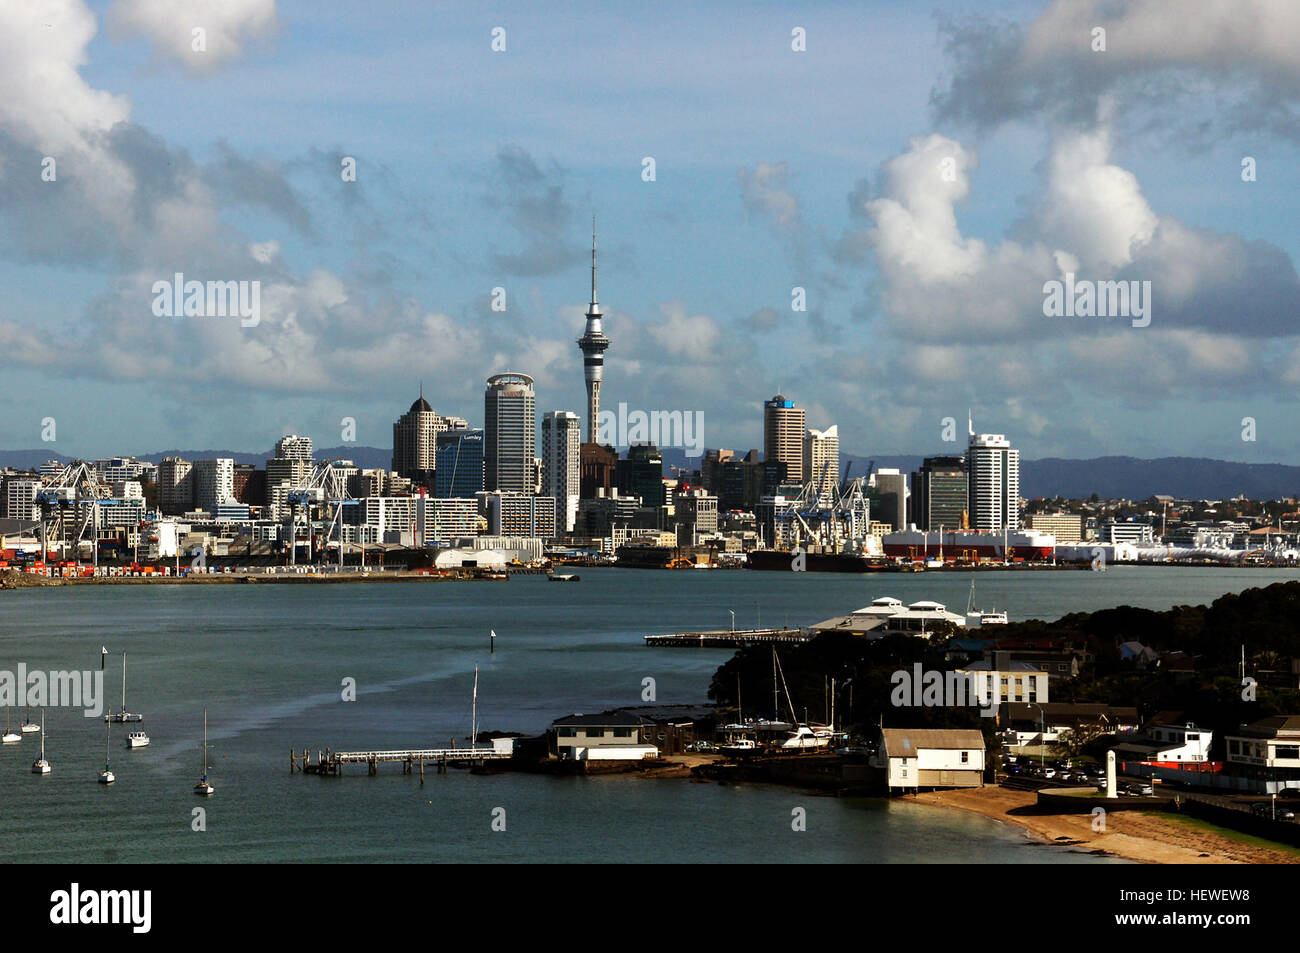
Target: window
(1288,751)
(1234,747)
(1193,737)
(622,732)
(965,757)
(594,732)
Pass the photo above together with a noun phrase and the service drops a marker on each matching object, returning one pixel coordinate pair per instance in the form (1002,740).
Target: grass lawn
(1227,832)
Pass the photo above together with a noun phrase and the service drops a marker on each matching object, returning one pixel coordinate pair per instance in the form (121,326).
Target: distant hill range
(1196,478)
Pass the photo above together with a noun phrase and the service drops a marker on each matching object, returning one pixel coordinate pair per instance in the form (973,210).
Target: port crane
(322,485)
(70,499)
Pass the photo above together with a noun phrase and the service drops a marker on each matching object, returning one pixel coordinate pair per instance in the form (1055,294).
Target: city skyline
(392,275)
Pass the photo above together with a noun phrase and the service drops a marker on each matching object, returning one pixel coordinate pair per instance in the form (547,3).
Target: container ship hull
(775,559)
(970,545)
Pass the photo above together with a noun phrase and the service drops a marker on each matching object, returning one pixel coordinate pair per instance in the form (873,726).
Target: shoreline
(1144,837)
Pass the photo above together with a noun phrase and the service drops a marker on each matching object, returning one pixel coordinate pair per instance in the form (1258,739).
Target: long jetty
(729,638)
(330,763)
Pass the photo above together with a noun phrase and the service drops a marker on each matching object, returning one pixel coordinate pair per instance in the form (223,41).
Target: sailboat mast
(473,724)
(124,683)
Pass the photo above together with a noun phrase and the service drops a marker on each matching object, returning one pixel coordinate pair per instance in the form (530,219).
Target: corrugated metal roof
(904,742)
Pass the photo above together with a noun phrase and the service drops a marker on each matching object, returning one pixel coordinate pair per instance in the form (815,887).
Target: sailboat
(203,788)
(28,726)
(10,736)
(123,716)
(41,766)
(105,776)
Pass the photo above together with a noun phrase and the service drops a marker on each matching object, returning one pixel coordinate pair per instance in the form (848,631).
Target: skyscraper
(783,432)
(415,436)
(459,464)
(993,482)
(939,495)
(821,458)
(593,344)
(509,433)
(892,487)
(562,465)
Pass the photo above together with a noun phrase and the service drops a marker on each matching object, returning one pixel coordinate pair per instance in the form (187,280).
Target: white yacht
(137,739)
(41,766)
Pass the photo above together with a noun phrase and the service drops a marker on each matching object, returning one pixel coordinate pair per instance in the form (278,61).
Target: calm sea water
(268,662)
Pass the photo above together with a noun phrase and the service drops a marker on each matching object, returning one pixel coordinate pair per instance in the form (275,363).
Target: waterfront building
(175,486)
(459,463)
(593,345)
(1267,753)
(1066,527)
(932,757)
(1131,532)
(452,518)
(784,425)
(517,514)
(293,447)
(562,465)
(696,514)
(939,494)
(993,489)
(891,485)
(608,736)
(1164,740)
(510,438)
(821,459)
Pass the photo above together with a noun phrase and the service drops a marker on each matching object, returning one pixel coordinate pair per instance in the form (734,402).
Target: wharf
(330,763)
(729,638)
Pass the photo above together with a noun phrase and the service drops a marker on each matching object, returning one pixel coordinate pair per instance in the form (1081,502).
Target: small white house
(1162,742)
(609,736)
(1015,681)
(931,757)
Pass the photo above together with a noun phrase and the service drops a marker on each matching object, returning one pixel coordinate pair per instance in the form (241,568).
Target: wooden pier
(329,763)
(729,638)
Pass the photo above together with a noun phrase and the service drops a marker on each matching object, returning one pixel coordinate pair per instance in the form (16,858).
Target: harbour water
(269,662)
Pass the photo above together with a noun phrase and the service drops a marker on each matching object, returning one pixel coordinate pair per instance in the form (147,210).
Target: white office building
(993,482)
(561,465)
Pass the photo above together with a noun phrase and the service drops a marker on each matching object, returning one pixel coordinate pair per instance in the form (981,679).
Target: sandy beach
(1147,838)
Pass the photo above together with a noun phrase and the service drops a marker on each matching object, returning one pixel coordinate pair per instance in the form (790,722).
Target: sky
(921,172)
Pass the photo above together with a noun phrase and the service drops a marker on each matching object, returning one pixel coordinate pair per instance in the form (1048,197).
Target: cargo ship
(779,559)
(969,545)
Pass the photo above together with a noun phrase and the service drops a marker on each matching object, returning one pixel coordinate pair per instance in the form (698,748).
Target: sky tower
(593,344)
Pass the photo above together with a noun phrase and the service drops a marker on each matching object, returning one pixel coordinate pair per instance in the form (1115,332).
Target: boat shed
(915,758)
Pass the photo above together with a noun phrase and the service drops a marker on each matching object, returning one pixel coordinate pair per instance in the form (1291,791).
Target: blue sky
(774,169)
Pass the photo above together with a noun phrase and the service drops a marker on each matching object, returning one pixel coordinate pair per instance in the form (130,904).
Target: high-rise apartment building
(821,458)
(510,433)
(562,465)
(939,496)
(20,498)
(784,425)
(214,483)
(175,486)
(460,463)
(293,447)
(993,482)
